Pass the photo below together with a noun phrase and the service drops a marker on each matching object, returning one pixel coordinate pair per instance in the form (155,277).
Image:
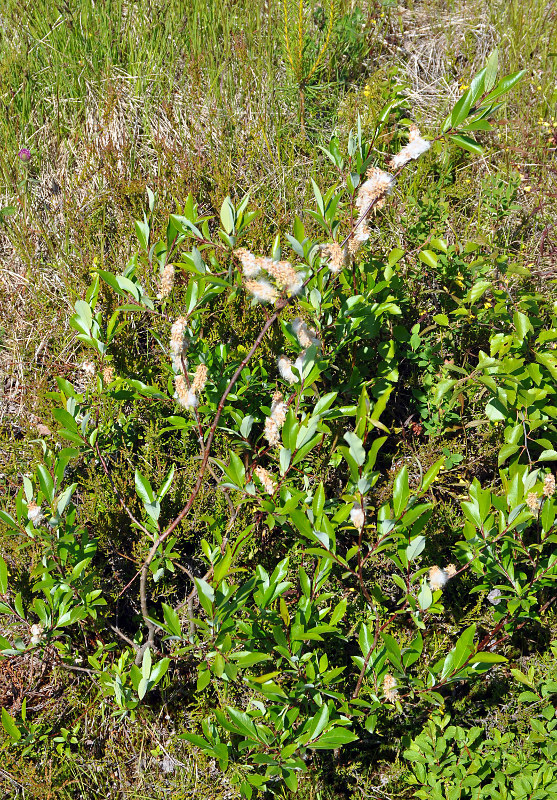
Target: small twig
(124,637)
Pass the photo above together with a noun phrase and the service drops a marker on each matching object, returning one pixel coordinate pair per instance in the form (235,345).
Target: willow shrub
(303,656)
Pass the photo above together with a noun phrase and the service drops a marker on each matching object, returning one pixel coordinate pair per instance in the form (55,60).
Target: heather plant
(306,652)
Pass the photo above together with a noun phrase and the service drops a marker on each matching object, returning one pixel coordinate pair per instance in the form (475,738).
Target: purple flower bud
(24,154)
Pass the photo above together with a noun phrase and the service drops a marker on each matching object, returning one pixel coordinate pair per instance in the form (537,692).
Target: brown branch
(123,636)
(204,462)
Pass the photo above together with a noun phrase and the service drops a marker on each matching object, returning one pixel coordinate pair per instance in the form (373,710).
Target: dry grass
(442,44)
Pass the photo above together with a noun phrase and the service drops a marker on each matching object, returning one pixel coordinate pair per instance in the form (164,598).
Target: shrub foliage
(260,458)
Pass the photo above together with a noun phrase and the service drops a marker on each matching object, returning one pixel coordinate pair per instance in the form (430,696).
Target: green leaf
(548,515)
(318,502)
(146,663)
(365,639)
(495,411)
(522,324)
(439,244)
(143,687)
(236,470)
(548,455)
(339,611)
(3,576)
(462,108)
(429,258)
(243,722)
(394,256)
(185,225)
(463,647)
(467,143)
(142,232)
(324,404)
(284,459)
(505,452)
(96,344)
(442,388)
(487,658)
(220,750)
(203,680)
(46,483)
(318,197)
(206,595)
(10,727)
(126,285)
(478,289)
(83,310)
(301,521)
(65,418)
(318,722)
(145,390)
(401,491)
(478,125)
(71,437)
(520,676)
(167,483)
(333,739)
(393,651)
(178,422)
(290,779)
(121,285)
(356,448)
(143,488)
(415,547)
(247,658)
(246,426)
(491,67)
(414,650)
(431,474)
(528,697)
(172,620)
(196,740)
(246,789)
(549,361)
(159,671)
(425,597)
(8,520)
(227,215)
(476,88)
(505,85)
(220,570)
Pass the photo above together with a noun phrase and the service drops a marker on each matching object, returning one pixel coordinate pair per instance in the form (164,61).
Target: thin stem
(204,462)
